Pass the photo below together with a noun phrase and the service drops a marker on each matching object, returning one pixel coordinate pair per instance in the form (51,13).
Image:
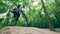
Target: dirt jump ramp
(25,30)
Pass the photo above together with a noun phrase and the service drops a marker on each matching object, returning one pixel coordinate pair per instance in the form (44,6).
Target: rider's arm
(24,15)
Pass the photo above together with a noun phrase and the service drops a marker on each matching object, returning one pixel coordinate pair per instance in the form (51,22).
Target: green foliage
(35,14)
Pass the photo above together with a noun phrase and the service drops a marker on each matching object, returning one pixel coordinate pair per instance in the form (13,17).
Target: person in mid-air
(16,14)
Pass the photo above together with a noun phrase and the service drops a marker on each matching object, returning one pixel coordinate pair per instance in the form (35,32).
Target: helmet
(18,6)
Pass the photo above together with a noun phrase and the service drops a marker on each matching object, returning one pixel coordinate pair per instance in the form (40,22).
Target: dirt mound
(25,30)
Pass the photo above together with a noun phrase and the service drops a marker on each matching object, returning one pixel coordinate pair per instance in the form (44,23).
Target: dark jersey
(16,13)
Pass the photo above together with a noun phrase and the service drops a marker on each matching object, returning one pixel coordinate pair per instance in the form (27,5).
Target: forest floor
(26,30)
(57,29)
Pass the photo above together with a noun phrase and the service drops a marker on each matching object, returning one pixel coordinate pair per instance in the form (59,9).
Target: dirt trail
(25,30)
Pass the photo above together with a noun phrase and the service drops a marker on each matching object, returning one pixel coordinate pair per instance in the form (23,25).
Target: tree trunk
(47,16)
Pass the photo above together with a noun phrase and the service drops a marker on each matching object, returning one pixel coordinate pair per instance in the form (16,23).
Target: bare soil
(25,30)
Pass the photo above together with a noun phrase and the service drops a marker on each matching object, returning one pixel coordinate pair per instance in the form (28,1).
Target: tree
(47,16)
